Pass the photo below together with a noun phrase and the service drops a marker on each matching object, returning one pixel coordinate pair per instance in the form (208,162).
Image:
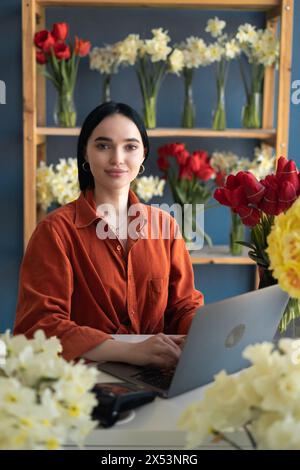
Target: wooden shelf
(262,134)
(279,16)
(219,254)
(214,4)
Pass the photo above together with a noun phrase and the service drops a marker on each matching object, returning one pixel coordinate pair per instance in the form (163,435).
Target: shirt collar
(86,211)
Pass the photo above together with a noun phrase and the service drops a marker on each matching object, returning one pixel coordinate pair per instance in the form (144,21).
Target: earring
(143,169)
(84,168)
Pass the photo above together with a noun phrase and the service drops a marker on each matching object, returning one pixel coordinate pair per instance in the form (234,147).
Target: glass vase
(149,111)
(64,110)
(289,325)
(219,115)
(193,231)
(237,233)
(106,88)
(189,114)
(252,111)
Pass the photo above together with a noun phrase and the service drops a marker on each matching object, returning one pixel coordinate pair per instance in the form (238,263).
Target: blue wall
(110,25)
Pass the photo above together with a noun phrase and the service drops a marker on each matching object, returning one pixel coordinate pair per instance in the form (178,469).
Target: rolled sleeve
(45,295)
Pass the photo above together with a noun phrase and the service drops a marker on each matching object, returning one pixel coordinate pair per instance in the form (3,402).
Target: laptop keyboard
(157,377)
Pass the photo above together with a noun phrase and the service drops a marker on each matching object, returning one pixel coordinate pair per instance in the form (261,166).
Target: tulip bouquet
(190,178)
(63,60)
(226,163)
(258,203)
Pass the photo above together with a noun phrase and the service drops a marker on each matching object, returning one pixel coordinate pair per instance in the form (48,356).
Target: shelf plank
(219,254)
(262,134)
(221,4)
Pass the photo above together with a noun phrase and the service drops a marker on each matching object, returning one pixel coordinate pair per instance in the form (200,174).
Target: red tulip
(60,31)
(288,172)
(41,57)
(82,48)
(233,193)
(171,150)
(220,196)
(287,196)
(182,157)
(220,178)
(250,216)
(269,203)
(185,171)
(62,51)
(199,165)
(163,163)
(253,188)
(44,40)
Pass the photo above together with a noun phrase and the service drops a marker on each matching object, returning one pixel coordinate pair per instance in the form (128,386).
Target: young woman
(84,277)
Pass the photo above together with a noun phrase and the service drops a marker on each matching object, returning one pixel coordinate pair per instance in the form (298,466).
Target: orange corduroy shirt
(82,289)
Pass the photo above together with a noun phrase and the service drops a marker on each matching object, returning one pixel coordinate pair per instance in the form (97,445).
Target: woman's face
(115,152)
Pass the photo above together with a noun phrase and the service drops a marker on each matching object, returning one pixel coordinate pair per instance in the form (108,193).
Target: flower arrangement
(226,163)
(194,52)
(153,58)
(44,400)
(284,250)
(146,187)
(190,178)
(263,401)
(57,184)
(258,203)
(106,61)
(221,52)
(62,60)
(261,48)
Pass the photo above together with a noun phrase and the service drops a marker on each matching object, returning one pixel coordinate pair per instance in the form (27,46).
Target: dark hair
(86,179)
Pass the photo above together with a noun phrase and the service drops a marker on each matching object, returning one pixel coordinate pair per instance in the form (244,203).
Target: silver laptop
(216,339)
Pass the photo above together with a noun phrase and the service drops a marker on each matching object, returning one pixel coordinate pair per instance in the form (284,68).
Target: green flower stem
(188,116)
(252,112)
(106,88)
(237,234)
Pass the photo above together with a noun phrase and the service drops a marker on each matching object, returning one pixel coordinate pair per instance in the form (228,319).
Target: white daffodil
(264,397)
(43,399)
(147,187)
(215,27)
(176,61)
(128,49)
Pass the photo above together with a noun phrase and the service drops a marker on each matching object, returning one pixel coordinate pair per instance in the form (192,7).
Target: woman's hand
(159,350)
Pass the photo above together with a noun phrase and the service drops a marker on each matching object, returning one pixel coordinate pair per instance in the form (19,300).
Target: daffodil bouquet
(260,405)
(221,52)
(261,49)
(44,400)
(153,58)
(57,183)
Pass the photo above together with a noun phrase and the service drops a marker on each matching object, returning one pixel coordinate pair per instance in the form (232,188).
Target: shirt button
(119,248)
